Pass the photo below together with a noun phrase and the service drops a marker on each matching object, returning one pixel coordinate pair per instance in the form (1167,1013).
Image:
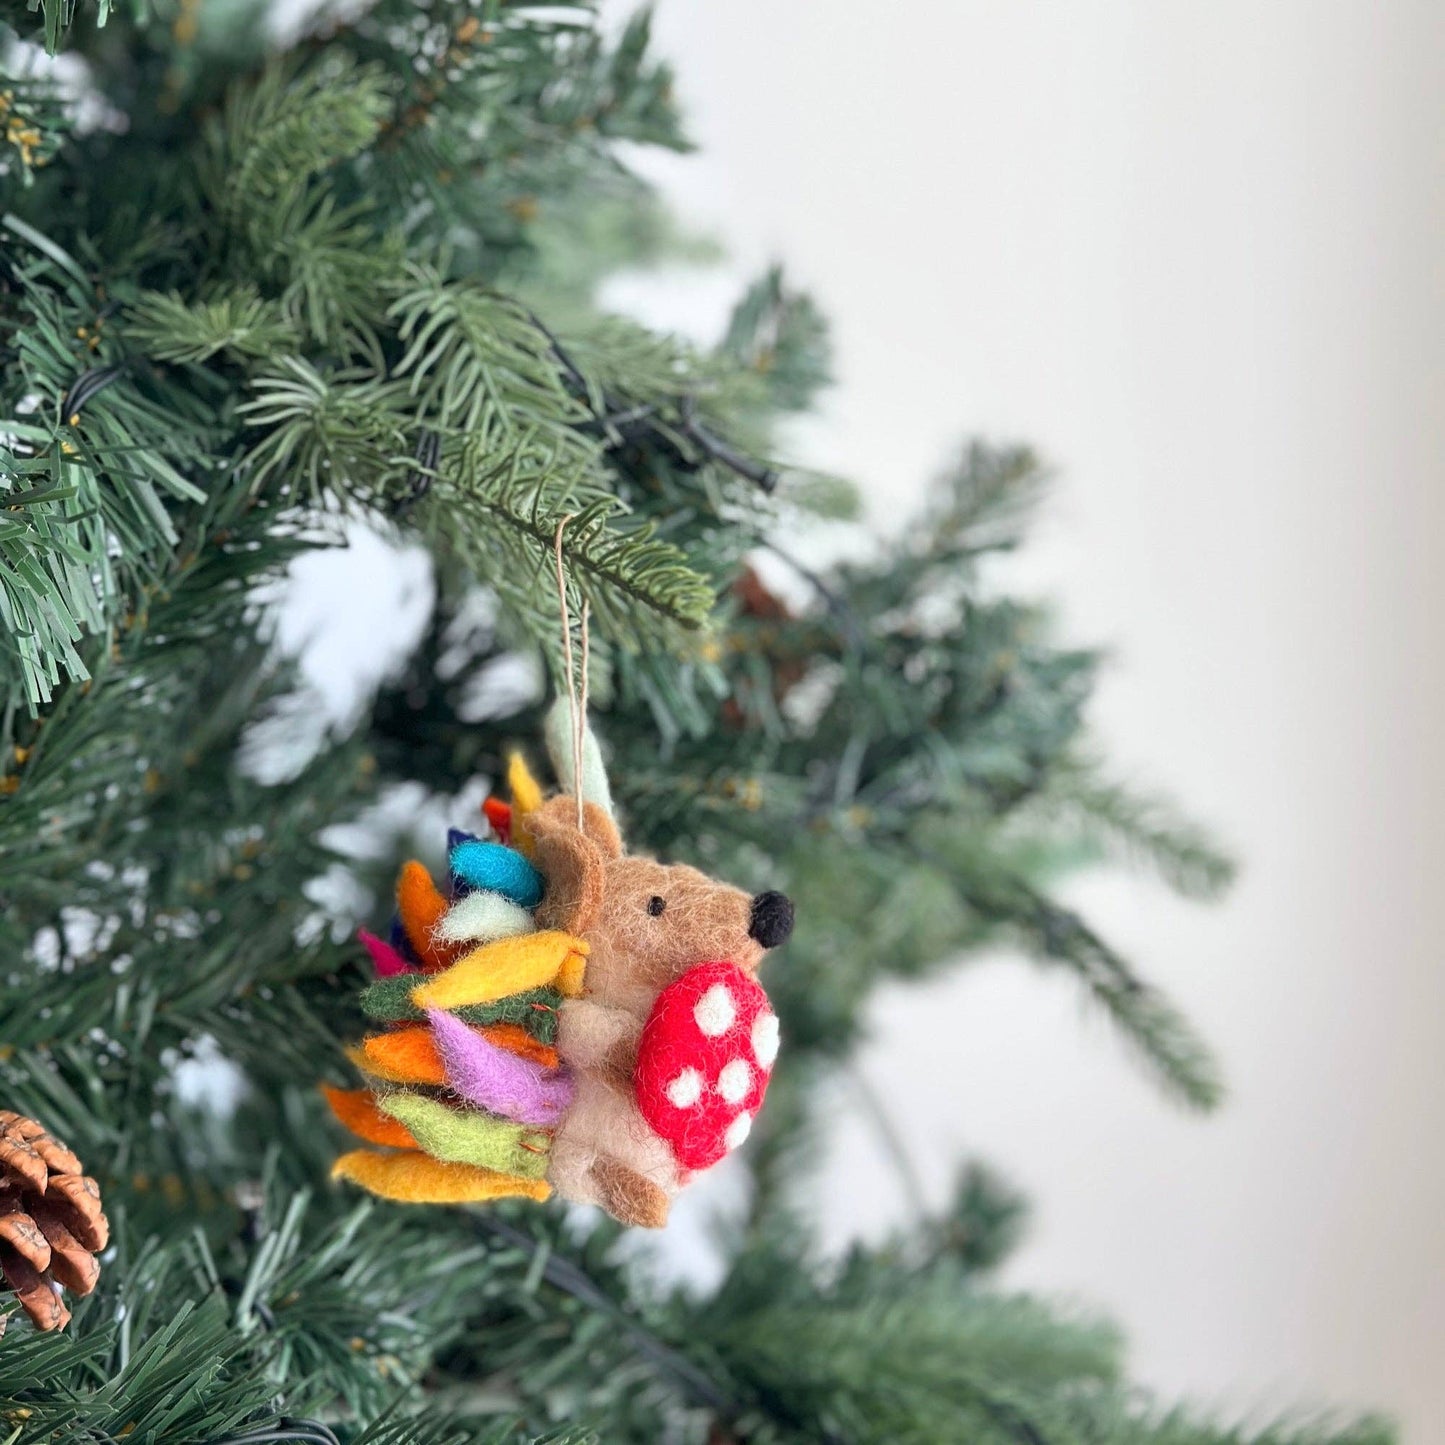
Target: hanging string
(578,705)
(581,743)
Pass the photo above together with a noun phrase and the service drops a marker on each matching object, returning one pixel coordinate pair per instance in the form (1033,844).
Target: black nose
(772,919)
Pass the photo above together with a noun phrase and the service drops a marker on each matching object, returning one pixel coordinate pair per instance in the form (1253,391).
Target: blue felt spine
(502,870)
(458,887)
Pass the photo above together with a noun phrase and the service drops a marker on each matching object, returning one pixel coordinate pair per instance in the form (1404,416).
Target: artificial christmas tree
(253,295)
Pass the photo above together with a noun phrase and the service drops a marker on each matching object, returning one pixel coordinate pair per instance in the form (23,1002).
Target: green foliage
(31,124)
(781,335)
(272,137)
(350,285)
(239,321)
(57,17)
(985,1222)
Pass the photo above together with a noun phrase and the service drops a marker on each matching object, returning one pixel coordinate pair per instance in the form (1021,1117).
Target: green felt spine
(389,1001)
(470,1136)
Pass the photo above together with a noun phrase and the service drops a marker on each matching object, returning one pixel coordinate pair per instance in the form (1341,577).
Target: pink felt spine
(387,961)
(496,1079)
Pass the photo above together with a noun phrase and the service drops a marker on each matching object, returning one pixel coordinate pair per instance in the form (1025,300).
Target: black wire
(418,481)
(571,1280)
(86,387)
(300,1432)
(836,603)
(764,477)
(640,418)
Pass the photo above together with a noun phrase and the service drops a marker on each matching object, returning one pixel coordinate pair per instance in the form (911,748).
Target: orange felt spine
(356,1110)
(404,1056)
(409,1055)
(516,1040)
(421,905)
(419,1179)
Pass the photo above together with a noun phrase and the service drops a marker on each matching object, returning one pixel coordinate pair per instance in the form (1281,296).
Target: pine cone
(51,1227)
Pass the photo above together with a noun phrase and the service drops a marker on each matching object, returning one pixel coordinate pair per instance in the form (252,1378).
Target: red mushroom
(703,1062)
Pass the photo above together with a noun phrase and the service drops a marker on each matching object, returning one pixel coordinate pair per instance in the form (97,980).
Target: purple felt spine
(496,1079)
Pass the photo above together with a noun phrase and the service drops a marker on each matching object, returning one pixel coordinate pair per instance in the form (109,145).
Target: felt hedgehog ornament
(567,1017)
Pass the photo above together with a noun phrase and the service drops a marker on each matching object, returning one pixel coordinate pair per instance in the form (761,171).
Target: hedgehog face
(656,922)
(646,923)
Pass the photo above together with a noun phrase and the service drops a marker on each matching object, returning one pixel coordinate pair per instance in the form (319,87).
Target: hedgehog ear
(571,867)
(558,730)
(602,830)
(572,862)
(559,815)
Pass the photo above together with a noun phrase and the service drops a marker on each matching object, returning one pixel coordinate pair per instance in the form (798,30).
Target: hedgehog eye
(656,904)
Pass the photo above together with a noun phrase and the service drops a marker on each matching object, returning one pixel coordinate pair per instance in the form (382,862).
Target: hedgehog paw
(629,1197)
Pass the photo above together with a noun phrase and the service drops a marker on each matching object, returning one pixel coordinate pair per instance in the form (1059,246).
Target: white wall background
(1193,253)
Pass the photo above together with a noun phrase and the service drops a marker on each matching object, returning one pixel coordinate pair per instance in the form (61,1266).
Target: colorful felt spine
(510,966)
(526,799)
(499,870)
(500,1082)
(594,786)
(389,1000)
(385,959)
(468,1136)
(357,1109)
(483,917)
(499,815)
(420,906)
(401,1056)
(465,1086)
(413,1177)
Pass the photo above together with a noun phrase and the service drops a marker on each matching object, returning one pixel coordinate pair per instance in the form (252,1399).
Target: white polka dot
(738,1130)
(685,1090)
(715,1011)
(735,1081)
(765,1039)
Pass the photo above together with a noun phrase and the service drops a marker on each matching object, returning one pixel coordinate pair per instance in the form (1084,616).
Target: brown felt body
(604,1152)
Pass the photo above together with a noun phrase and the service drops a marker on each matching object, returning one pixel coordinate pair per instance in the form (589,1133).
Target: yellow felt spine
(511,965)
(416,1178)
(526,798)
